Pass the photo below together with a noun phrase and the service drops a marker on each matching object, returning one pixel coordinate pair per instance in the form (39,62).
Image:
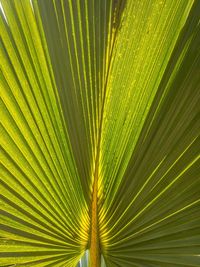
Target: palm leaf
(100,124)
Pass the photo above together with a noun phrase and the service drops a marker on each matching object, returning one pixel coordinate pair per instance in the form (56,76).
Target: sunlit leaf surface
(105,91)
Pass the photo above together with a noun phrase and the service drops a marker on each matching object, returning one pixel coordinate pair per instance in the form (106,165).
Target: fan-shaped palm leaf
(100,124)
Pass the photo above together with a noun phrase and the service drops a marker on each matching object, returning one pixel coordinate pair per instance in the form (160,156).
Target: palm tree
(100,123)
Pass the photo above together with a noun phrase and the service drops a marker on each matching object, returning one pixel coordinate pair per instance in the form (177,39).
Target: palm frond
(100,124)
